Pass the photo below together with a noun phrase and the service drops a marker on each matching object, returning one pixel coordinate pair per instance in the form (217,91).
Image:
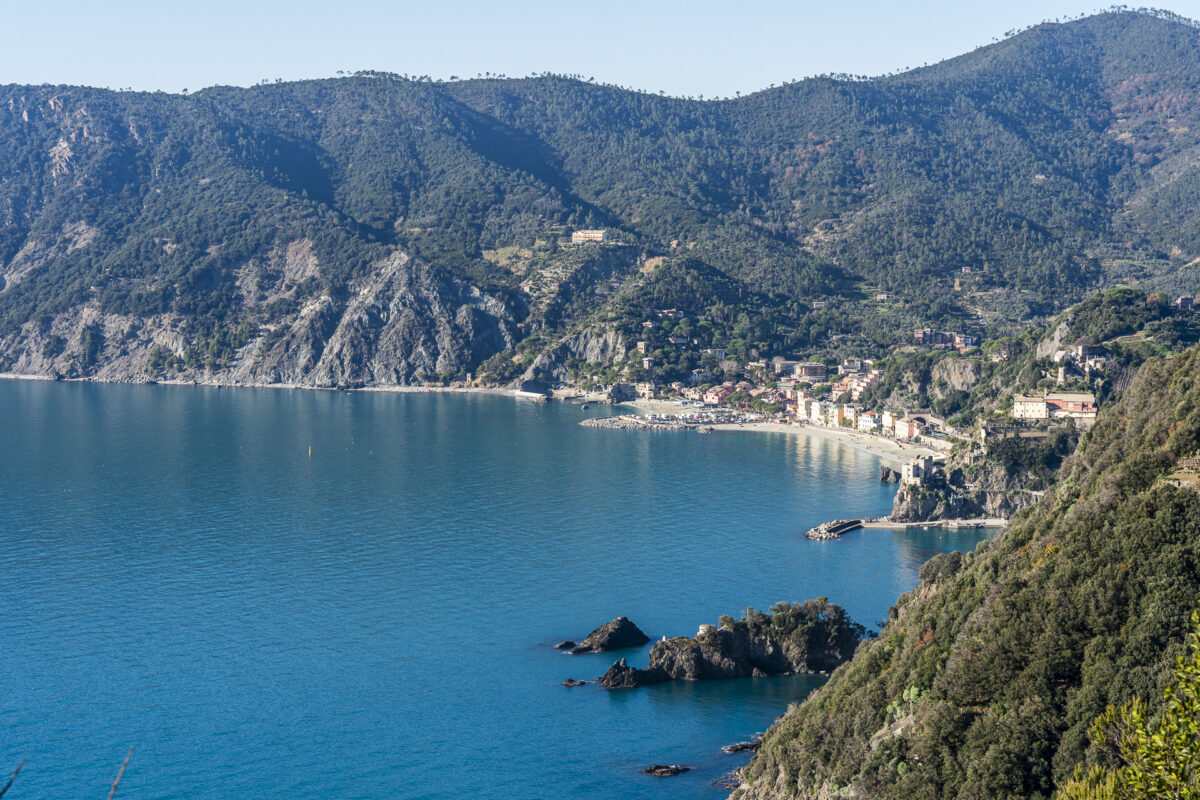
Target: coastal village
(815,394)
(823,396)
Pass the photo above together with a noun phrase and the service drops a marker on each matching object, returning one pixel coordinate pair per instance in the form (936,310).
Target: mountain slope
(986,677)
(153,235)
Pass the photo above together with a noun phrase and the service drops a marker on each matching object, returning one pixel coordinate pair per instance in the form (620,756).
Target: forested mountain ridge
(986,678)
(381,230)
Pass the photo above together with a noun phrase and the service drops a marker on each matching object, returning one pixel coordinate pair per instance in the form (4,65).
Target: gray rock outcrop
(811,637)
(988,491)
(614,635)
(595,345)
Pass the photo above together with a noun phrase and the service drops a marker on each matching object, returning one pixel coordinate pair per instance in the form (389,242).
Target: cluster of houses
(1080,406)
(795,404)
(857,377)
(850,415)
(1084,362)
(944,340)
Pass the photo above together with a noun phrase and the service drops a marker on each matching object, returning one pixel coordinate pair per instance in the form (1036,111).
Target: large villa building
(1080,406)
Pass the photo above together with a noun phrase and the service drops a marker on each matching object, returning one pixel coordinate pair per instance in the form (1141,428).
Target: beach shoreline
(887,449)
(495,392)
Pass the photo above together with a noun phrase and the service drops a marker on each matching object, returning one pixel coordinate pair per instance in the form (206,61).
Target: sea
(312,594)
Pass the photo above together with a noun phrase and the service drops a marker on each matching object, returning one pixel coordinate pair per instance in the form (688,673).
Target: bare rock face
(614,635)
(955,374)
(596,345)
(404,320)
(888,475)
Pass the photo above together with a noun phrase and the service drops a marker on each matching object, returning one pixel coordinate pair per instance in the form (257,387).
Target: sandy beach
(889,449)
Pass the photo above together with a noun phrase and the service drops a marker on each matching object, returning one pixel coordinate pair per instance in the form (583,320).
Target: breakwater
(834,528)
(631,422)
(701,421)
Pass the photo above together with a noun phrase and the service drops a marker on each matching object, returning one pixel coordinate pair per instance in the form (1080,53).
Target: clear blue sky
(684,48)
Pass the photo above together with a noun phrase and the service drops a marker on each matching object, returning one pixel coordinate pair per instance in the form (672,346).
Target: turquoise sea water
(374,620)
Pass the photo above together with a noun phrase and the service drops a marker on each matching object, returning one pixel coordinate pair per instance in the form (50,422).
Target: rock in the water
(619,633)
(665,770)
(740,747)
(730,780)
(567,645)
(888,475)
(573,682)
(622,676)
(807,637)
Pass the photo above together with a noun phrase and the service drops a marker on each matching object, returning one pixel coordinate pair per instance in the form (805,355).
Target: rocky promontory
(814,636)
(954,492)
(613,635)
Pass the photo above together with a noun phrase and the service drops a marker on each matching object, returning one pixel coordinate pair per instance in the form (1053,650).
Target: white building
(868,422)
(1026,406)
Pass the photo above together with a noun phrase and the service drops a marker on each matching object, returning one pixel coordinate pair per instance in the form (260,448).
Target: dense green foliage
(1157,758)
(1039,458)
(987,677)
(816,626)
(1046,164)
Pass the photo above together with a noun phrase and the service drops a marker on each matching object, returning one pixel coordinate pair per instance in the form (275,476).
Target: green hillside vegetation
(1052,163)
(1155,757)
(986,679)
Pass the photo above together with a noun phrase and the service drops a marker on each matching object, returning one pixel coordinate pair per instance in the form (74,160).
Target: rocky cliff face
(811,637)
(403,321)
(986,491)
(954,375)
(594,345)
